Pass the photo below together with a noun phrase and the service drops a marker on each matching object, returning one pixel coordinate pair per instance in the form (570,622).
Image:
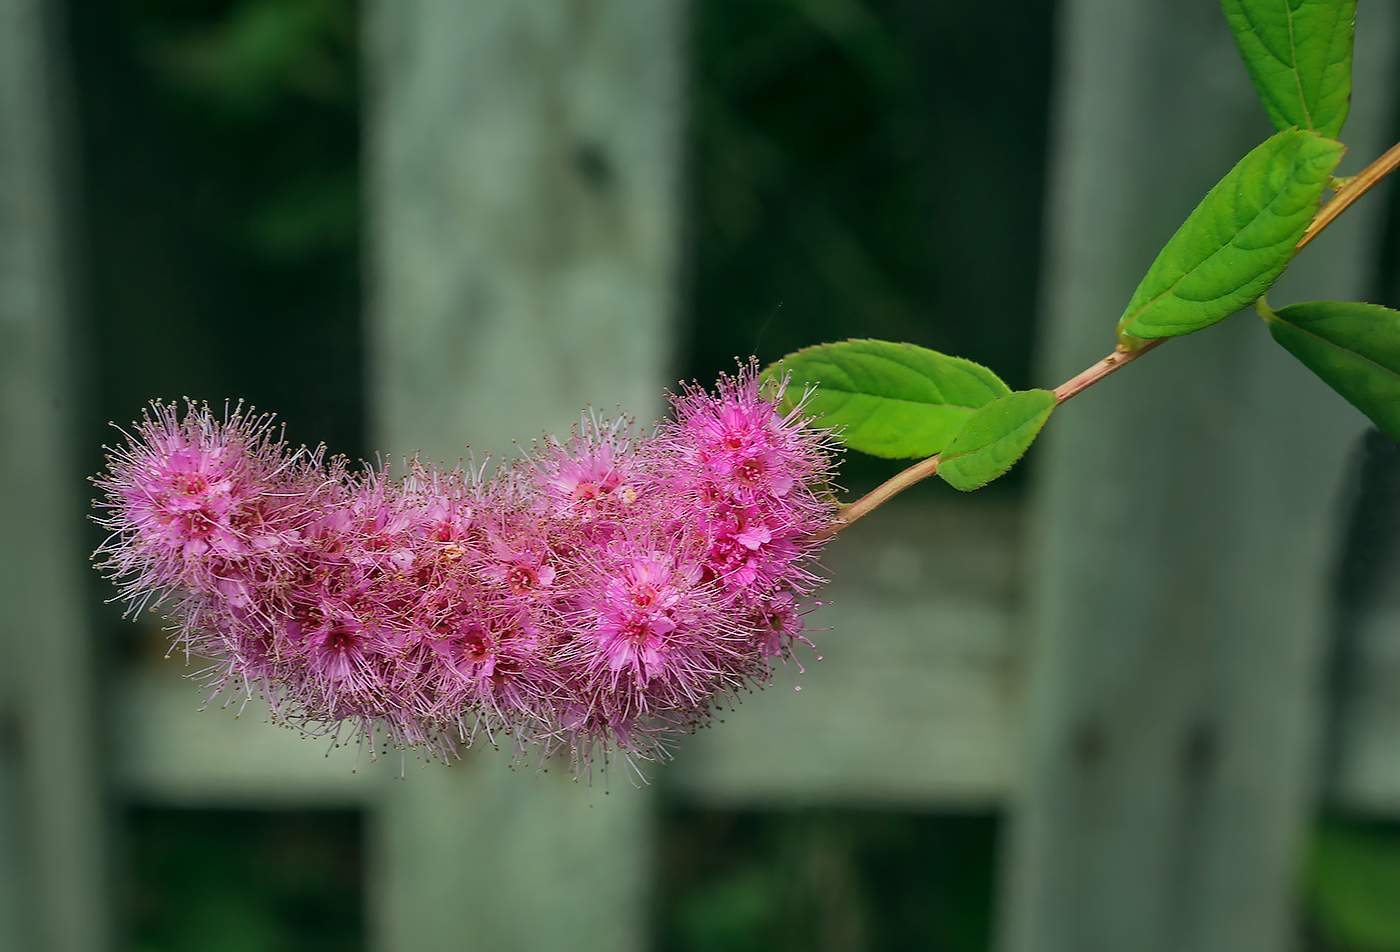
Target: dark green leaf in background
(892,400)
(994,438)
(1298,52)
(1238,240)
(1354,885)
(1354,348)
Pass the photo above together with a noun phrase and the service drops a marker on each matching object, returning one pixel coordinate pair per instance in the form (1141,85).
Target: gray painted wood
(52,888)
(524,210)
(916,703)
(478,856)
(1368,762)
(172,750)
(525,165)
(1186,522)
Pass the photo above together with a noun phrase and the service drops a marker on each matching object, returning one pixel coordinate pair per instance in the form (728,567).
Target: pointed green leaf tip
(1354,348)
(888,399)
(1298,52)
(1238,240)
(994,438)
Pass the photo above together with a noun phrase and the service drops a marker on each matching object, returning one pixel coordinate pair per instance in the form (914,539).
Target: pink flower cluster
(597,597)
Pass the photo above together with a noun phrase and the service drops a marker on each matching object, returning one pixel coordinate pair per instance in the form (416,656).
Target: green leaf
(1298,52)
(1354,879)
(994,438)
(1354,348)
(1238,240)
(892,400)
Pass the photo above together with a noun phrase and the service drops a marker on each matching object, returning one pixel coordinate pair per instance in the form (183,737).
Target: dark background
(880,180)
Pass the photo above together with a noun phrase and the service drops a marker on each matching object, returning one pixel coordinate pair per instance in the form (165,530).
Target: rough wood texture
(52,883)
(478,856)
(524,209)
(524,165)
(1185,544)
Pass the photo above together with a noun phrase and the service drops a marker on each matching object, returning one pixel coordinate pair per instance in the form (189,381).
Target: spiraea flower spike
(598,597)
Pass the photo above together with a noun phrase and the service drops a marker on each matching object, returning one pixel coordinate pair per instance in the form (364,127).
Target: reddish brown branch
(1087,378)
(1356,186)
(1349,192)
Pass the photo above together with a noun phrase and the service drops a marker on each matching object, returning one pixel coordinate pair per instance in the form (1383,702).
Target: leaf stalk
(1348,191)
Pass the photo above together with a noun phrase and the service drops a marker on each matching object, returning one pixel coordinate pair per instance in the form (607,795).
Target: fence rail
(916,701)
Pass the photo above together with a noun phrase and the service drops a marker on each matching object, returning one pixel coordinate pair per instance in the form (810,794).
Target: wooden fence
(1129,665)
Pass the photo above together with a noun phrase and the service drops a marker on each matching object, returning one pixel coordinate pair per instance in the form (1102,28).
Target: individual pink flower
(743,444)
(516,557)
(207,505)
(594,473)
(643,601)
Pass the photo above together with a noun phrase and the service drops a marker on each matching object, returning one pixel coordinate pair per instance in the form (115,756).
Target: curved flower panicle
(599,597)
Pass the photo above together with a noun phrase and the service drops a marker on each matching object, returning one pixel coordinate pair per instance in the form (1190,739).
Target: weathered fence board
(917,704)
(524,169)
(524,162)
(52,861)
(171,751)
(1185,544)
(524,230)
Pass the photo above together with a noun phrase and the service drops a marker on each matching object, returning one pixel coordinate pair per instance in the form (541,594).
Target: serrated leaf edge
(944,458)
(1272,315)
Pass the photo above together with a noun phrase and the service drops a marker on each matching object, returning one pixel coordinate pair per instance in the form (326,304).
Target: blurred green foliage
(220,186)
(245,881)
(868,168)
(238,67)
(240,73)
(859,168)
(1352,886)
(219,168)
(826,881)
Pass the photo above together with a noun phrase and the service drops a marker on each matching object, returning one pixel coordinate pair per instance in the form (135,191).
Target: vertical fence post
(1188,519)
(52,869)
(524,206)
